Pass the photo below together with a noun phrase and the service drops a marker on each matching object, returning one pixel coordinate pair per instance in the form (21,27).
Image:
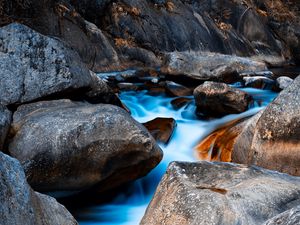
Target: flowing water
(129,206)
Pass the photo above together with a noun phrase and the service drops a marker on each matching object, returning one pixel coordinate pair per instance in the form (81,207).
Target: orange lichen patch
(262,13)
(214,189)
(134,11)
(121,42)
(279,10)
(219,144)
(224,26)
(170,6)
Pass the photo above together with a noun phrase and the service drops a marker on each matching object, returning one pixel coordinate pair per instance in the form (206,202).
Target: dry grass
(170,6)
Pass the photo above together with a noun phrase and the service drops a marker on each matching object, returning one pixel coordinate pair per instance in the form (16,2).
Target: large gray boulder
(203,66)
(207,193)
(71,146)
(34,66)
(272,140)
(5,120)
(219,99)
(289,217)
(21,205)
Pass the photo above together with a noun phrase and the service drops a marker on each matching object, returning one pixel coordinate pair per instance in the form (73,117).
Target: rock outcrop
(289,217)
(71,146)
(220,194)
(219,99)
(21,205)
(34,66)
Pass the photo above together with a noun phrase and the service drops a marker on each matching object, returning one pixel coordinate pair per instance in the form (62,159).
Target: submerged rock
(5,120)
(178,103)
(21,205)
(220,194)
(219,99)
(34,66)
(161,128)
(71,146)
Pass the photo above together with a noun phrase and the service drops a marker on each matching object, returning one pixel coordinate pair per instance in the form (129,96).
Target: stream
(128,207)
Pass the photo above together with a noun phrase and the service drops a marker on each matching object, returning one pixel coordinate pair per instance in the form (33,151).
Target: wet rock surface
(21,205)
(161,128)
(259,82)
(34,66)
(71,146)
(219,99)
(220,193)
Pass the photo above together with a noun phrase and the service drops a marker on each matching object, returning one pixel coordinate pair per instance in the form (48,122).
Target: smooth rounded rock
(71,146)
(219,99)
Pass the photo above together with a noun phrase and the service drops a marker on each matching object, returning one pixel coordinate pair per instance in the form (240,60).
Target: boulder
(35,66)
(161,128)
(272,139)
(5,120)
(70,146)
(219,99)
(220,194)
(21,205)
(259,82)
(283,82)
(204,66)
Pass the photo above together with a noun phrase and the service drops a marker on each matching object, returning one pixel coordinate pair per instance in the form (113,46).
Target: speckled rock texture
(100,92)
(21,205)
(70,146)
(283,82)
(219,99)
(212,193)
(5,120)
(289,217)
(209,66)
(34,66)
(272,140)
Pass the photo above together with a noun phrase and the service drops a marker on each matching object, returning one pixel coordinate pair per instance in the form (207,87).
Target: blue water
(128,207)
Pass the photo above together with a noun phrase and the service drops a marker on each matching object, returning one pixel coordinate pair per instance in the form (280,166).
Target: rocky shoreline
(63,128)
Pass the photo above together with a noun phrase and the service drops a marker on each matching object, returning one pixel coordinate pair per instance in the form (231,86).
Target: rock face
(126,33)
(220,194)
(205,66)
(70,146)
(21,205)
(272,140)
(289,217)
(35,66)
(5,120)
(219,99)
